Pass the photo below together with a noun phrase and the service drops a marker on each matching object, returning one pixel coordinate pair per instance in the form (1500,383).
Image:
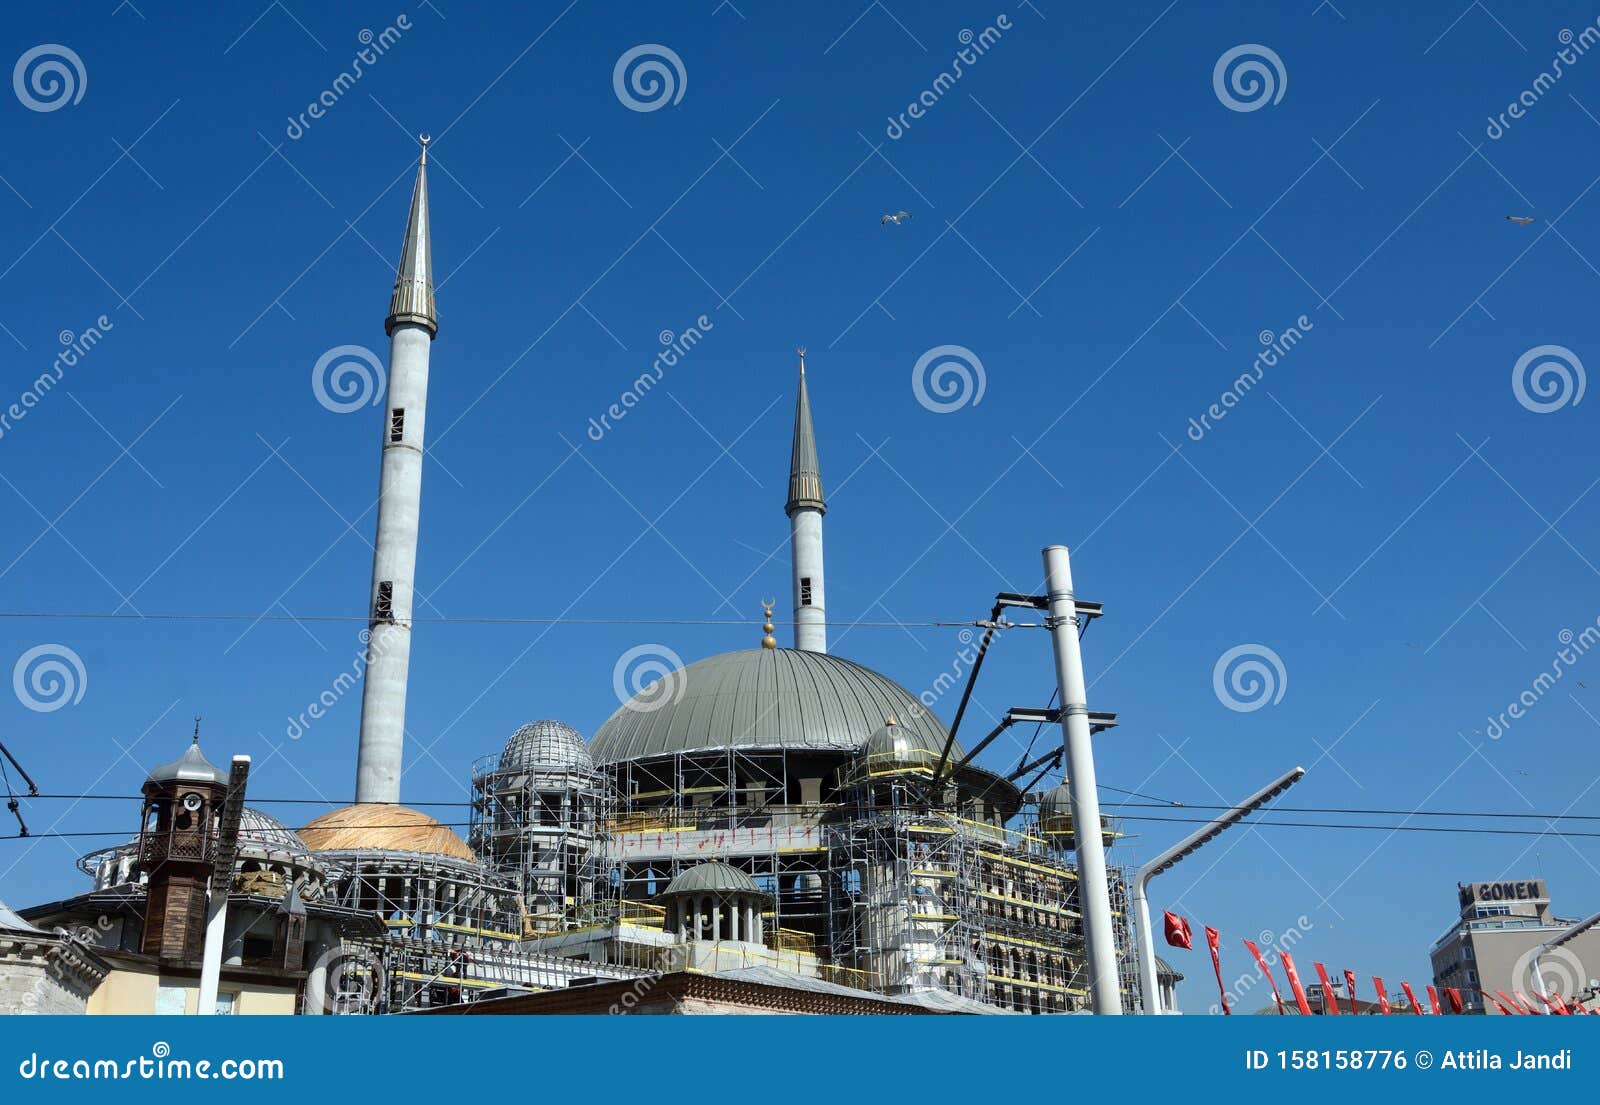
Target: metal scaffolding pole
(1095,896)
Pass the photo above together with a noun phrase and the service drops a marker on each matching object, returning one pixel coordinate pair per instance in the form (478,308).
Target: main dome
(762,698)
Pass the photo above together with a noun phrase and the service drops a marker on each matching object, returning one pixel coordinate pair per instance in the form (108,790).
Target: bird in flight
(1520,220)
(897,218)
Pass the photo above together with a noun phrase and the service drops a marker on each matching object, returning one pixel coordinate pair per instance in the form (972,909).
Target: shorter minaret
(411,326)
(805,509)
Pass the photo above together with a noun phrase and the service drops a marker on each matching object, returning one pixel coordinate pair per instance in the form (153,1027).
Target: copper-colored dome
(373,826)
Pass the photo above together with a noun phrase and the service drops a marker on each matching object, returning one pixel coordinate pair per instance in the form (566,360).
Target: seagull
(897,218)
(1520,220)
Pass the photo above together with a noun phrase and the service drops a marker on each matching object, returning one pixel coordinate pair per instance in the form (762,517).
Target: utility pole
(1094,895)
(221,882)
(1555,942)
(1170,858)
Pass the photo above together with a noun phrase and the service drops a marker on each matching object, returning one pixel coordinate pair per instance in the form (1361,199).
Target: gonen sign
(1532,890)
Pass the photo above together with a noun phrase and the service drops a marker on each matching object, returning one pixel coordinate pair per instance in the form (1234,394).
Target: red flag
(1178,935)
(1433,1002)
(1412,998)
(1350,985)
(1330,1000)
(1526,1003)
(1498,1004)
(1383,995)
(1557,1006)
(1294,984)
(1262,963)
(1513,1002)
(1455,999)
(1214,941)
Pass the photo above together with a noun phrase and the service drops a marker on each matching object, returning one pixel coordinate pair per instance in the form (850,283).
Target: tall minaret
(411,326)
(805,509)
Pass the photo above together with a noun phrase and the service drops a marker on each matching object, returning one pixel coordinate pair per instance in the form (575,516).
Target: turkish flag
(1498,1004)
(1455,999)
(1261,962)
(1294,984)
(1433,1001)
(1214,942)
(1350,985)
(1330,1000)
(1383,995)
(1412,998)
(1178,934)
(1526,1004)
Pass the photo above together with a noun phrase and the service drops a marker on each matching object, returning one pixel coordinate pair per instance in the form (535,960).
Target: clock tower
(177,844)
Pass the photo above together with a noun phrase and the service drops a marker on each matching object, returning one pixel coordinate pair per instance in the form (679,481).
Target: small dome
(191,767)
(903,743)
(1056,802)
(267,831)
(373,826)
(546,744)
(714,878)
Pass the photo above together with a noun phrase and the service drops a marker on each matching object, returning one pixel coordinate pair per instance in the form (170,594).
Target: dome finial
(196,729)
(768,641)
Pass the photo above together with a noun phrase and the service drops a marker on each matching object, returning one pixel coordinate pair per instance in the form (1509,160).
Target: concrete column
(805,554)
(716,920)
(383,696)
(1093,890)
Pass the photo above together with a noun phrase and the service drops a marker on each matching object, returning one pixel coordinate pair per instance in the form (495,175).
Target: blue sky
(1111,288)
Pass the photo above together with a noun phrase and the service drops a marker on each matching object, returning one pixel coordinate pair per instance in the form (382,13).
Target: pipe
(1140,901)
(1094,894)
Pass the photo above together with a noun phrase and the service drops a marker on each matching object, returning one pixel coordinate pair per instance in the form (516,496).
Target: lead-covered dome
(762,698)
(713,877)
(553,745)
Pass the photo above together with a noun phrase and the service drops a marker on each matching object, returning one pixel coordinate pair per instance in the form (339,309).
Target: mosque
(765,830)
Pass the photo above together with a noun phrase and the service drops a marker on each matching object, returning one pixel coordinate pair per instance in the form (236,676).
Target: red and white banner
(1262,963)
(1294,984)
(1498,1004)
(1214,941)
(1350,985)
(1412,998)
(1454,995)
(1383,995)
(1330,1000)
(1433,1001)
(1178,934)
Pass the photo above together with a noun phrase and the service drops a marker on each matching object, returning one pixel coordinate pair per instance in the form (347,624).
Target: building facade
(1490,947)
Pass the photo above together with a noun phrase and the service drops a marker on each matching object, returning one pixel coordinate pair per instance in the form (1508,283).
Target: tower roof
(191,767)
(805,474)
(413,283)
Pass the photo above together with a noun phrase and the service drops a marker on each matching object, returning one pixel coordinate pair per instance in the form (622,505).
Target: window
(805,590)
(227,1003)
(397,425)
(383,609)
